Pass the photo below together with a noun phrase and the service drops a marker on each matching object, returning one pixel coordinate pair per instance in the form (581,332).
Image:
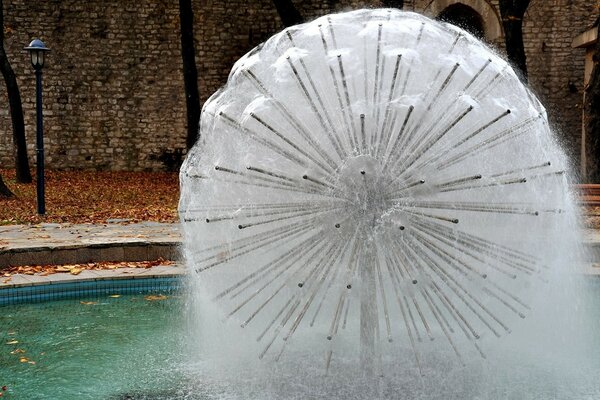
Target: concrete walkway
(82,243)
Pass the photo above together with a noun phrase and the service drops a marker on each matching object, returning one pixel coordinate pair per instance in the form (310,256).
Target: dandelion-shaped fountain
(373,186)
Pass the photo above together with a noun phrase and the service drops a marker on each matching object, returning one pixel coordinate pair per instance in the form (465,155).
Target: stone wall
(556,69)
(113,96)
(113,90)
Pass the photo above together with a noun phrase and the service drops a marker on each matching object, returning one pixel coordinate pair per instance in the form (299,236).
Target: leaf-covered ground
(94,197)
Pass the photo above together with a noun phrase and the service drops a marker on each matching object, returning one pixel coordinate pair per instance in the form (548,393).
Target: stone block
(85,254)
(111,253)
(135,253)
(64,256)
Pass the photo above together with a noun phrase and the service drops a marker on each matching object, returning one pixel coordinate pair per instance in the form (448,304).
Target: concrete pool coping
(159,271)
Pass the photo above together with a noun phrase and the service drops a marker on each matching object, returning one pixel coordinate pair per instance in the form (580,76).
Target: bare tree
(288,13)
(16,110)
(393,4)
(512,12)
(592,112)
(190,72)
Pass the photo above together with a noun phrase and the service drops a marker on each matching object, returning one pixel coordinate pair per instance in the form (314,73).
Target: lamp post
(36,50)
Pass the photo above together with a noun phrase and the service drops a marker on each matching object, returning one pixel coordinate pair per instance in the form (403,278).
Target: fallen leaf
(12,333)
(44,270)
(76,271)
(31,362)
(23,359)
(115,295)
(12,342)
(17,351)
(152,297)
(6,280)
(88,303)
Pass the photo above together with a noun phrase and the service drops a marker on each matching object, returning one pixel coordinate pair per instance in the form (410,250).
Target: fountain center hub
(364,186)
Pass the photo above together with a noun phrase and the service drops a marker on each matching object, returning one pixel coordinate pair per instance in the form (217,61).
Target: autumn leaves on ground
(98,197)
(93,197)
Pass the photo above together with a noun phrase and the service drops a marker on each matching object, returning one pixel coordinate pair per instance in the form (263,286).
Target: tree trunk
(16,110)
(512,12)
(190,72)
(393,4)
(288,13)
(592,122)
(4,190)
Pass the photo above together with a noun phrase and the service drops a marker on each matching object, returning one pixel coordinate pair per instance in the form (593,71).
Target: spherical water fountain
(374,194)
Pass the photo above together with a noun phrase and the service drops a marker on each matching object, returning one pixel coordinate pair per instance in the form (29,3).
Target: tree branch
(4,190)
(190,72)
(288,13)
(592,112)
(399,4)
(16,110)
(512,12)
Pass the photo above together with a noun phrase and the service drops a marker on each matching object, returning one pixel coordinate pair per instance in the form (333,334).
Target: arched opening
(464,17)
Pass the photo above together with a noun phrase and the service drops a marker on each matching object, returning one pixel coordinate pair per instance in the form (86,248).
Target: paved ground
(81,243)
(47,235)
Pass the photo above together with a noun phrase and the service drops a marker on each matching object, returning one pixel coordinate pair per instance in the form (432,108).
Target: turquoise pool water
(95,348)
(134,347)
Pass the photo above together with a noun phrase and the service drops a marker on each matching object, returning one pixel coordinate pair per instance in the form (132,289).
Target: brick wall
(113,90)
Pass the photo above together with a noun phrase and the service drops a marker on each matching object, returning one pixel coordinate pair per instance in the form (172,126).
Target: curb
(137,251)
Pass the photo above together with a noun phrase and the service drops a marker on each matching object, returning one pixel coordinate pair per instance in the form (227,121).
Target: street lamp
(37,50)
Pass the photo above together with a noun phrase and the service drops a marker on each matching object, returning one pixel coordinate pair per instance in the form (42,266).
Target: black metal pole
(41,202)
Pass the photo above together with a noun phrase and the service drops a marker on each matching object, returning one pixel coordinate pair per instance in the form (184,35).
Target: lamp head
(36,50)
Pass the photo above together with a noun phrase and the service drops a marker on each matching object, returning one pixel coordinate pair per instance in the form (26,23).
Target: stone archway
(465,17)
(492,27)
